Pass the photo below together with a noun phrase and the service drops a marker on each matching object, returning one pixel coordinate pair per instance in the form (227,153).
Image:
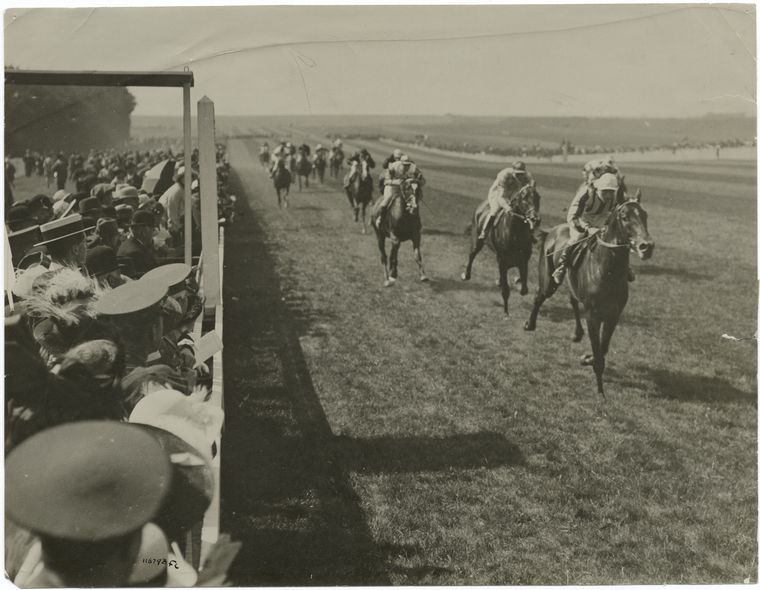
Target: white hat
(606,181)
(397,153)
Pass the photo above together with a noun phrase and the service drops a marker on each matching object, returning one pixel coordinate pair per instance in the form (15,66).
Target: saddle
(578,251)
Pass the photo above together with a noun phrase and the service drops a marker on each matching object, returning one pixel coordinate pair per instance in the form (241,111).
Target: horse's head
(410,193)
(630,223)
(525,202)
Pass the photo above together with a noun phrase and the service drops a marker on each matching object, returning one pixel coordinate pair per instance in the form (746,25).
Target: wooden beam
(80,78)
(188,174)
(209,197)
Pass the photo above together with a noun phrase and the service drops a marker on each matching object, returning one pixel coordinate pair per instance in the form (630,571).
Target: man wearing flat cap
(139,245)
(86,490)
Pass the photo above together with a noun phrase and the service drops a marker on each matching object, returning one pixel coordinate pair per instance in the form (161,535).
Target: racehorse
(282,178)
(336,162)
(400,223)
(599,281)
(510,237)
(264,158)
(359,193)
(302,168)
(319,166)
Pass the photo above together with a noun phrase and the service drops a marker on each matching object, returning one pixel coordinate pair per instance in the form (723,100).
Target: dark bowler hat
(101,260)
(61,228)
(124,214)
(90,205)
(101,190)
(131,298)
(143,217)
(86,481)
(192,484)
(107,227)
(173,276)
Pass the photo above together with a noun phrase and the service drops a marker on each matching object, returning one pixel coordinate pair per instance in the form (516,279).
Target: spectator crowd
(109,433)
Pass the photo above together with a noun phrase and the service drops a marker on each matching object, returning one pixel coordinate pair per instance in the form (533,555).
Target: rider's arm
(575,212)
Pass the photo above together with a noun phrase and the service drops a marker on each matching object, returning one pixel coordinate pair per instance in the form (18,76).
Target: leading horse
(401,222)
(359,193)
(510,237)
(281,178)
(599,281)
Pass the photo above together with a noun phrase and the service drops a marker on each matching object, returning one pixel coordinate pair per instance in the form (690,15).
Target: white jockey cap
(606,182)
(319,146)
(288,144)
(405,160)
(397,153)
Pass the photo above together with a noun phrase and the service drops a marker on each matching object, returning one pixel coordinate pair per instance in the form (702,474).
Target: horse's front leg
(596,358)
(504,283)
(578,336)
(395,245)
(364,218)
(416,240)
(384,259)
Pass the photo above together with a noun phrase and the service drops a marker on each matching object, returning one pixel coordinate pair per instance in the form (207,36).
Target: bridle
(615,213)
(410,199)
(530,215)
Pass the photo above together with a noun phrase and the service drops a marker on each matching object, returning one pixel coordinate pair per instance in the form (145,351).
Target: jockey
(509,181)
(304,149)
(281,152)
(394,157)
(320,151)
(355,161)
(337,144)
(397,173)
(594,169)
(587,214)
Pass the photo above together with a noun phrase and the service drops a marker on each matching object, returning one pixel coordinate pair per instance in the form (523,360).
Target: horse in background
(400,223)
(599,279)
(510,237)
(302,169)
(320,164)
(359,193)
(336,162)
(282,178)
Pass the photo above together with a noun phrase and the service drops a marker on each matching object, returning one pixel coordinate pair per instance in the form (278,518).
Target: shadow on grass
(696,388)
(444,232)
(284,494)
(559,311)
(680,273)
(446,284)
(413,454)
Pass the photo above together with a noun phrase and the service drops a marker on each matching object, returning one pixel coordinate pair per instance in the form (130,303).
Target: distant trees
(66,117)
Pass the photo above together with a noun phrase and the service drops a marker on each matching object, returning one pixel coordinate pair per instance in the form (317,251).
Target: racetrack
(412,435)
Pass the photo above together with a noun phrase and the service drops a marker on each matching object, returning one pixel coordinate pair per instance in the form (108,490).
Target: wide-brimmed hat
(171,275)
(143,217)
(90,205)
(131,298)
(101,260)
(58,229)
(101,190)
(86,481)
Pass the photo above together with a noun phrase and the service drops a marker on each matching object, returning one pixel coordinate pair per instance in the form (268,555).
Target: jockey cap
(518,167)
(405,161)
(397,153)
(319,146)
(606,182)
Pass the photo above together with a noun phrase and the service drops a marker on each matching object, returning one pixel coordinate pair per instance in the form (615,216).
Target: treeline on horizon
(66,118)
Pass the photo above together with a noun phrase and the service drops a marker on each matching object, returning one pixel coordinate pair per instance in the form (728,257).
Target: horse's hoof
(465,276)
(587,360)
(524,290)
(424,279)
(528,327)
(389,282)
(506,316)
(578,337)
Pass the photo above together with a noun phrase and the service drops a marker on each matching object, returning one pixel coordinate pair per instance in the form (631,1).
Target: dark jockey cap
(173,276)
(86,481)
(518,167)
(101,260)
(61,228)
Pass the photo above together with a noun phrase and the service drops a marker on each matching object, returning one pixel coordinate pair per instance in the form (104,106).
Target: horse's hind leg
(476,246)
(364,218)
(546,288)
(395,245)
(416,239)
(383,258)
(578,336)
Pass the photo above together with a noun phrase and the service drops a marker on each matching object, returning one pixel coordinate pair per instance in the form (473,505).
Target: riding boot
(380,215)
(486,227)
(559,273)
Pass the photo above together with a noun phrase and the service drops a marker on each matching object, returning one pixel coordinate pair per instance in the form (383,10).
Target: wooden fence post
(209,219)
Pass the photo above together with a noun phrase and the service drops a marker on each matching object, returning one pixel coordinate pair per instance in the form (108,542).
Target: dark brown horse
(400,223)
(336,162)
(599,282)
(320,164)
(302,169)
(510,237)
(281,178)
(359,193)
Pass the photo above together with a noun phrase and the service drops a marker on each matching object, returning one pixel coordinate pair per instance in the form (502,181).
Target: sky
(551,60)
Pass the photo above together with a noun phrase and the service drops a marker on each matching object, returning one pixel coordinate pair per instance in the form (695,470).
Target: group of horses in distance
(597,278)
